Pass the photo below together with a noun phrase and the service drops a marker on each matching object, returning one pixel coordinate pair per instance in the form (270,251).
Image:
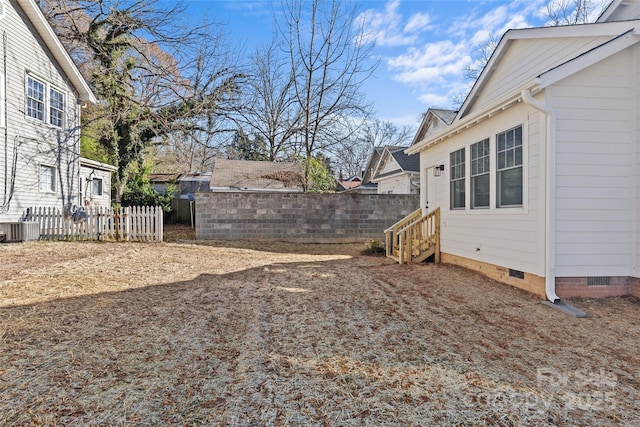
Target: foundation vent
(599,281)
(515,273)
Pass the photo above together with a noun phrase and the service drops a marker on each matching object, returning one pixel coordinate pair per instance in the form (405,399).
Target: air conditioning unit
(19,231)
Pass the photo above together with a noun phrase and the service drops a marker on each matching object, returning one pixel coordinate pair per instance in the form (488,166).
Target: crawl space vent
(599,281)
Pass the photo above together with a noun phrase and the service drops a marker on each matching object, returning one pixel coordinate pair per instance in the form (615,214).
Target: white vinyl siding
(595,173)
(32,140)
(530,57)
(95,185)
(480,177)
(636,143)
(393,185)
(512,238)
(2,100)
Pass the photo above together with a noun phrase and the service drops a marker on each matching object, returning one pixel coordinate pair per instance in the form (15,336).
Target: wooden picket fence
(135,223)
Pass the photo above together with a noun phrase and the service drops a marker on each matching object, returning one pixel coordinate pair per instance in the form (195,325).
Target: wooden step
(424,255)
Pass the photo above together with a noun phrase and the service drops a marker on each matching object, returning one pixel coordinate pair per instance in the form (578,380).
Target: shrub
(375,247)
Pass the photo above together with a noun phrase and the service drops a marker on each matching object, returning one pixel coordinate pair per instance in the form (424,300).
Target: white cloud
(434,100)
(480,37)
(430,64)
(417,23)
(386,27)
(433,63)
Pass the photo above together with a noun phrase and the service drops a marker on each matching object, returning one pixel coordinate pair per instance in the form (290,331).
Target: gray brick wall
(299,216)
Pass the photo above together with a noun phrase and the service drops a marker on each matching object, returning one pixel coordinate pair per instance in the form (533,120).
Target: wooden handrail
(393,230)
(413,215)
(414,237)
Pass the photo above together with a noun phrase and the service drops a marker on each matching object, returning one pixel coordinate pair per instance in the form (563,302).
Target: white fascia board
(58,51)
(469,121)
(613,6)
(385,153)
(611,29)
(589,58)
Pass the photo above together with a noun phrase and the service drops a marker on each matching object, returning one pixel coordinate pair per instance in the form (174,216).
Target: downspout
(550,194)
(6,118)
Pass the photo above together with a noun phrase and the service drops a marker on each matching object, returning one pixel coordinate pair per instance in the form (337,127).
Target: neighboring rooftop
(249,175)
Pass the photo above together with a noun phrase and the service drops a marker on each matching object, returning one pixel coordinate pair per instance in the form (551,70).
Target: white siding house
(396,172)
(95,183)
(539,185)
(41,96)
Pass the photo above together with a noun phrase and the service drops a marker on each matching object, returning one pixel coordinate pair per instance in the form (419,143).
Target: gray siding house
(42,94)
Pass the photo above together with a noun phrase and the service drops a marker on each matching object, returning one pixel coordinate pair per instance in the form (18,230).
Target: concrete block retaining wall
(299,216)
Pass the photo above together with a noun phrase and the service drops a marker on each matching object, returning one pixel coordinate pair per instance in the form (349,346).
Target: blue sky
(423,45)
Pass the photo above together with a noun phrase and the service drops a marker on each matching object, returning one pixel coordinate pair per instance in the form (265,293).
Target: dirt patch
(281,334)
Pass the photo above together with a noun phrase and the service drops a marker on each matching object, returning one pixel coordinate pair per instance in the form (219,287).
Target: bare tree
(330,59)
(154,78)
(572,12)
(483,54)
(352,158)
(559,12)
(269,106)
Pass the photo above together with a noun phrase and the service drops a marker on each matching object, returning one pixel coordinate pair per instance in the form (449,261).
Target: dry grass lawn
(279,334)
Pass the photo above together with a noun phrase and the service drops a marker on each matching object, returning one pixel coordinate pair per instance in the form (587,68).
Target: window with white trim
(509,168)
(457,193)
(96,186)
(35,98)
(480,174)
(44,102)
(56,108)
(47,179)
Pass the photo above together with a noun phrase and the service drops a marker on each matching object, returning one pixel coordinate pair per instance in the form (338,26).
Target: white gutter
(550,194)
(469,121)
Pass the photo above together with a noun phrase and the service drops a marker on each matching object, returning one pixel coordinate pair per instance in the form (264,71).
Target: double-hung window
(480,174)
(47,179)
(56,108)
(457,192)
(44,103)
(35,98)
(509,168)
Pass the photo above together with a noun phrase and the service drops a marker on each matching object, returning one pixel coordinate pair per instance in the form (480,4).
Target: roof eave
(58,51)
(469,121)
(600,29)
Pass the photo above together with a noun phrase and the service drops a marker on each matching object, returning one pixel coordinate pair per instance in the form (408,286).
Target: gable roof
(430,121)
(374,162)
(535,51)
(44,30)
(620,10)
(500,84)
(406,163)
(250,175)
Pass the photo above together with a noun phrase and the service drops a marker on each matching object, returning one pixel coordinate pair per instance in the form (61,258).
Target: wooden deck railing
(414,238)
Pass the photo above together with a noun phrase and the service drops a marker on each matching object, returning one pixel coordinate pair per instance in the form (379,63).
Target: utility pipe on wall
(550,194)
